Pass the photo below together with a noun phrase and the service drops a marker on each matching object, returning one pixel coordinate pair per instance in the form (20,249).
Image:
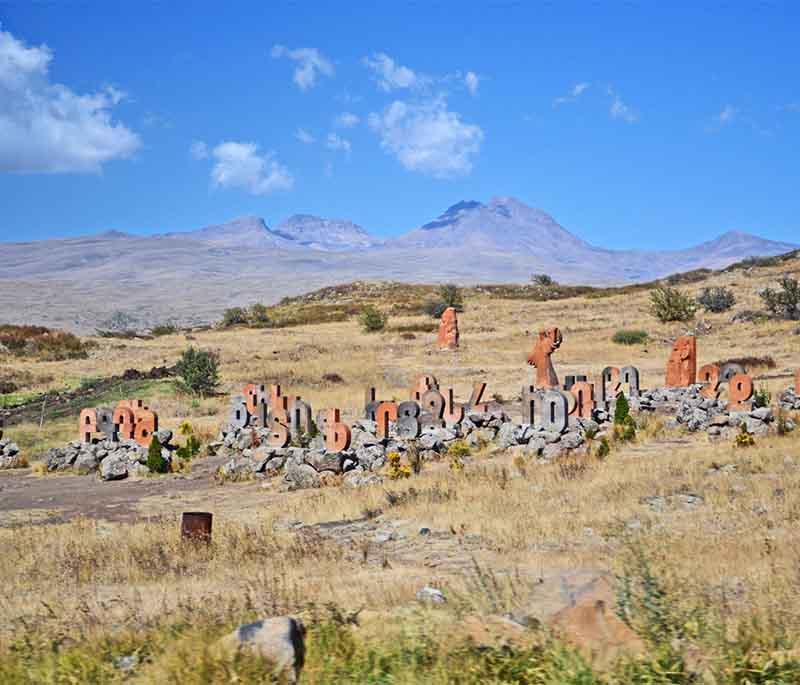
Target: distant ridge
(192,276)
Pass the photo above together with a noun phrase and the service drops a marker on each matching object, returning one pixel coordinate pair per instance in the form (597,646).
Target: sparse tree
(259,315)
(670,304)
(719,299)
(784,302)
(199,371)
(543,280)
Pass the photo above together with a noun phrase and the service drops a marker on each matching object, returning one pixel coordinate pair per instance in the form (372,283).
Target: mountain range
(190,277)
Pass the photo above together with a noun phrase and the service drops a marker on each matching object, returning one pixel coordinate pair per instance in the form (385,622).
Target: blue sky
(633,124)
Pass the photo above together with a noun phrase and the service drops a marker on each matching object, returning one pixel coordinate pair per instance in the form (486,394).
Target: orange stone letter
(740,390)
(682,364)
(337,434)
(549,341)
(448,330)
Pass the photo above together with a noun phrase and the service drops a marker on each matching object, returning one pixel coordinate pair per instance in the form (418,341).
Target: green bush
(784,302)
(198,371)
(670,304)
(155,462)
(622,409)
(258,315)
(716,300)
(450,295)
(630,337)
(168,328)
(234,316)
(543,280)
(372,319)
(447,295)
(761,397)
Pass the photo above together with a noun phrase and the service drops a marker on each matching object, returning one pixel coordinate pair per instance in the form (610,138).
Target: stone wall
(112,459)
(309,464)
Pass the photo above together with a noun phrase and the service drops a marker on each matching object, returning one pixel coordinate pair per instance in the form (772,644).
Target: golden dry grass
(724,520)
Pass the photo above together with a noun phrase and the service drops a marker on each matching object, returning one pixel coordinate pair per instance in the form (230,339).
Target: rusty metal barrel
(196,526)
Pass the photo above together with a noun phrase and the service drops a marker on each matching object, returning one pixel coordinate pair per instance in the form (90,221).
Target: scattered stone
(430,595)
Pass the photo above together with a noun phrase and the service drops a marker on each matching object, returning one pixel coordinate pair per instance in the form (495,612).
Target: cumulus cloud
(427,137)
(390,75)
(619,110)
(336,142)
(304,136)
(46,127)
(347,120)
(575,92)
(239,165)
(471,81)
(311,64)
(198,150)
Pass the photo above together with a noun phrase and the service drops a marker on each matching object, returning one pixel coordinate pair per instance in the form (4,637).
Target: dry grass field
(694,543)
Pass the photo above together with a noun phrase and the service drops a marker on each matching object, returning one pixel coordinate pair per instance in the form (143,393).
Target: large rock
(114,467)
(322,460)
(301,476)
(281,641)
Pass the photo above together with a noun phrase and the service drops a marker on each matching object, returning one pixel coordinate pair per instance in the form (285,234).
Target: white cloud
(427,137)
(239,165)
(311,64)
(304,136)
(727,115)
(390,75)
(336,142)
(472,80)
(619,110)
(46,127)
(198,150)
(347,120)
(575,92)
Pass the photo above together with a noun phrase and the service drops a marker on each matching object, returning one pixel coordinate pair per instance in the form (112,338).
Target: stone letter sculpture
(448,330)
(682,364)
(549,341)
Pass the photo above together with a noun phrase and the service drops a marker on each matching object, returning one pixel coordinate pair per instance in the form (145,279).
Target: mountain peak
(307,230)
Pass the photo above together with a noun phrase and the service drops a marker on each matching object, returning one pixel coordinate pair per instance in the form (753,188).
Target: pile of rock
(10,457)
(311,465)
(789,400)
(113,460)
(698,413)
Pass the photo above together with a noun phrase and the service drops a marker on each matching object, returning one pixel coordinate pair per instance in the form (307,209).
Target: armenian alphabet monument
(269,431)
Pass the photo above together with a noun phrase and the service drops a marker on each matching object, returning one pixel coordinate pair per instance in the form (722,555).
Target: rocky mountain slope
(191,277)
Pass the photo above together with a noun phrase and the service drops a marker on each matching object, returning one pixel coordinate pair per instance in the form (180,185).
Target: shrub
(716,300)
(168,328)
(233,316)
(192,447)
(622,409)
(603,449)
(670,304)
(743,437)
(397,470)
(630,337)
(372,319)
(761,397)
(542,280)
(155,461)
(199,371)
(434,308)
(258,315)
(450,295)
(784,302)
(44,343)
